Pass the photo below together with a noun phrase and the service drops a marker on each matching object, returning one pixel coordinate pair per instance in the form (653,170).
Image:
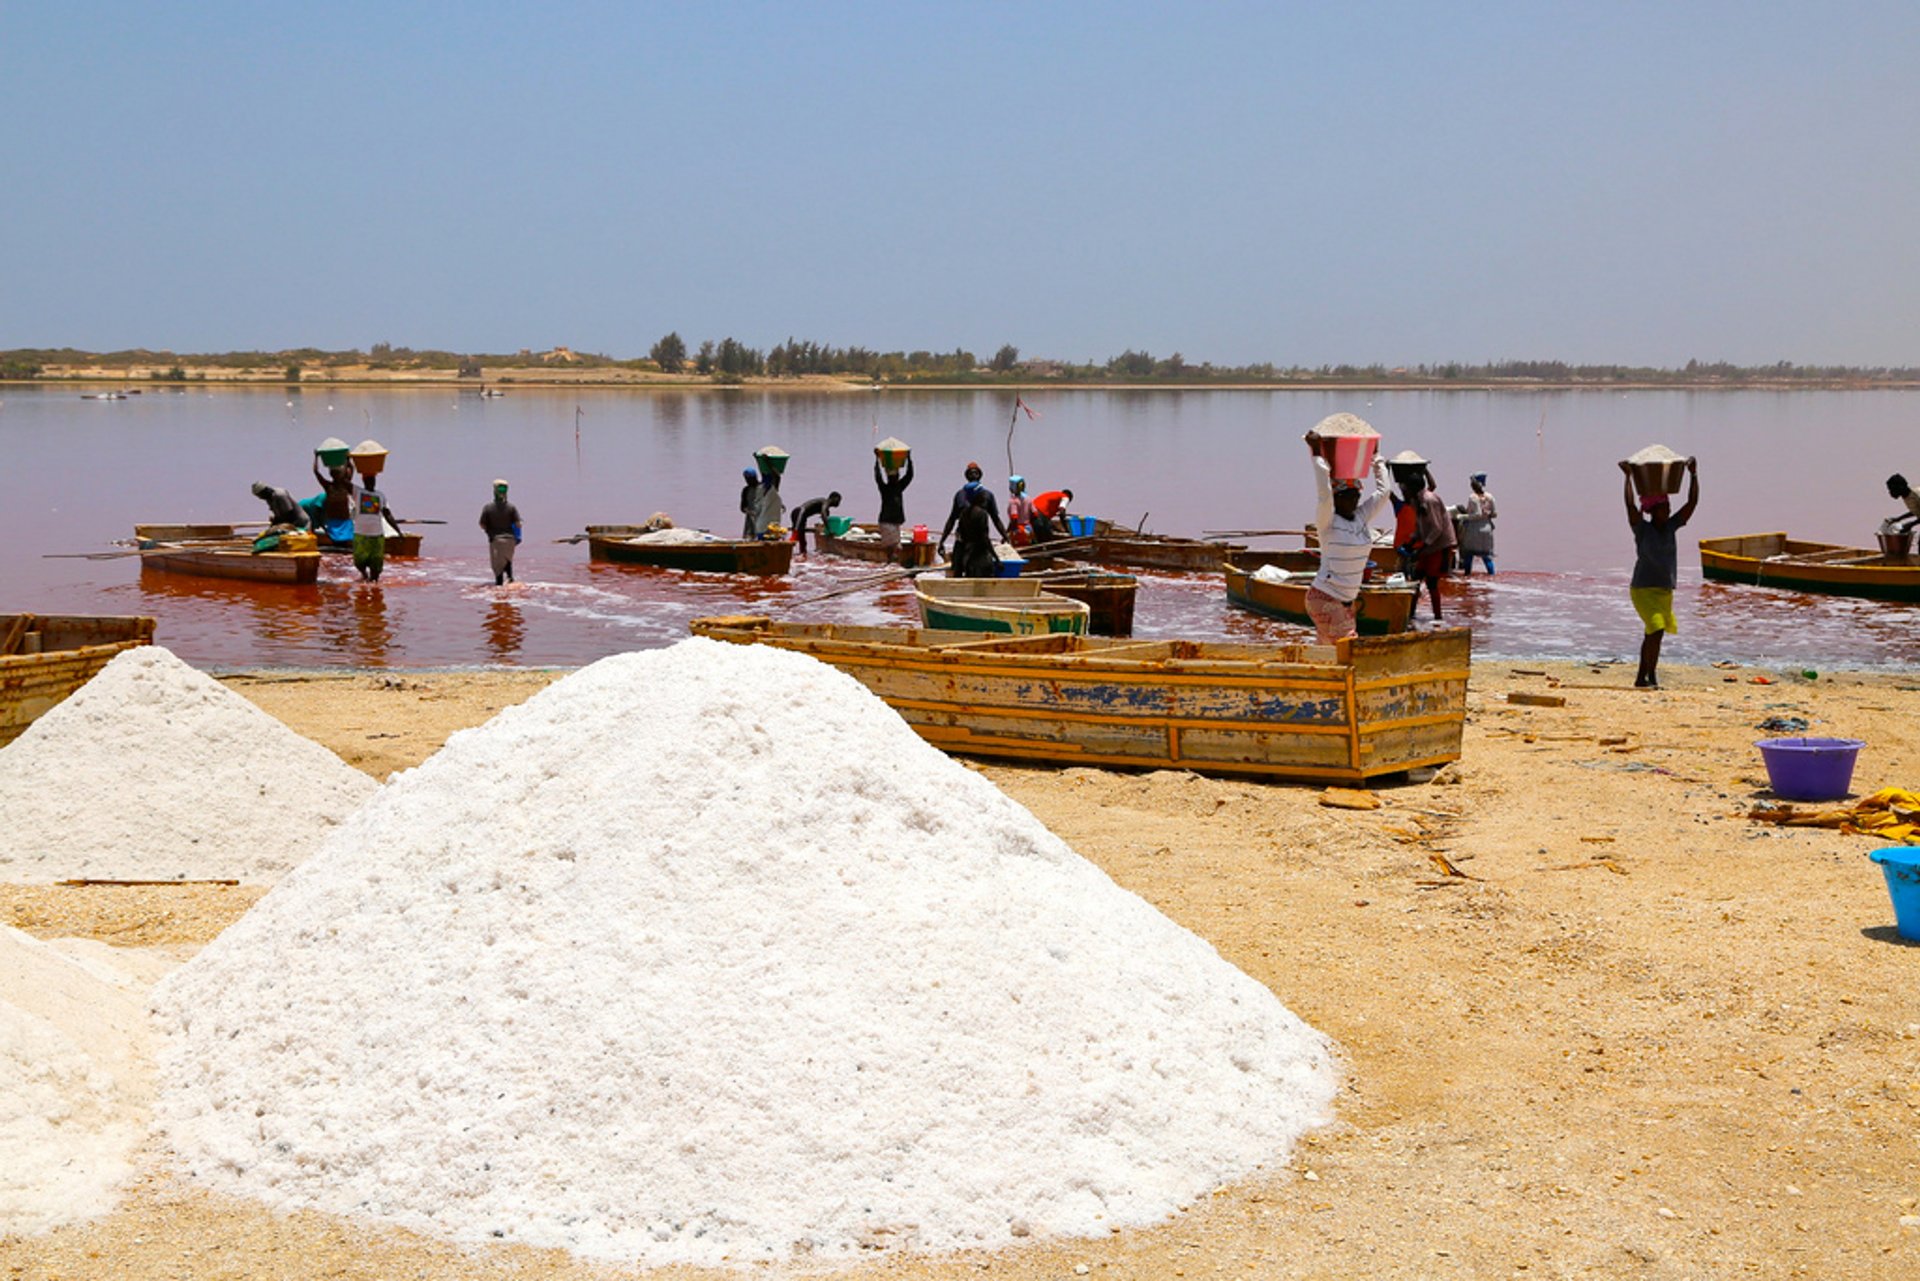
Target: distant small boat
(490,394)
(1008,606)
(104,395)
(615,544)
(1775,560)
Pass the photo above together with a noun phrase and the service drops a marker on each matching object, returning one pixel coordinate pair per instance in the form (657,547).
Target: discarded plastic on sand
(1901,864)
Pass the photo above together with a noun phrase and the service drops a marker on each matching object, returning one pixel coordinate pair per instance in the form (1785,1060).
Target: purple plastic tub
(1810,769)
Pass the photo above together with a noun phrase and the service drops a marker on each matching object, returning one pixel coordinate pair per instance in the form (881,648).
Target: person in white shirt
(1345,522)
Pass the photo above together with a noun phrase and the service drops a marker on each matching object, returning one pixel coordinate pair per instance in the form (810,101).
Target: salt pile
(75,1077)
(702,955)
(154,771)
(674,535)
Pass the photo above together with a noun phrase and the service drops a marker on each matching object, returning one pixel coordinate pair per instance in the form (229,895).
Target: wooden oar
(896,574)
(421,521)
(1253,533)
(87,555)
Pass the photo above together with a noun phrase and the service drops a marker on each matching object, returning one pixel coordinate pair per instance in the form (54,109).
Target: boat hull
(1384,611)
(1350,712)
(1000,606)
(1775,560)
(399,546)
(239,562)
(1108,598)
(609,543)
(44,658)
(911,554)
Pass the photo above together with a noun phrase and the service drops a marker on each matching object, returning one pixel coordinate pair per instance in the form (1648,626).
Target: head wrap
(498,483)
(1650,501)
(750,473)
(1342,486)
(971,488)
(260,489)
(1478,478)
(1015,482)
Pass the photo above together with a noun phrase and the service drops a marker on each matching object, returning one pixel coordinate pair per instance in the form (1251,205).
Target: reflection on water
(1191,461)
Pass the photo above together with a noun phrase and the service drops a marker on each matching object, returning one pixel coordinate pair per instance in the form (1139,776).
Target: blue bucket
(1901,863)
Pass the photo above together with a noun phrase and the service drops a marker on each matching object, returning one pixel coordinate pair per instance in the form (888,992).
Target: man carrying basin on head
(893,504)
(1656,565)
(1345,522)
(963,499)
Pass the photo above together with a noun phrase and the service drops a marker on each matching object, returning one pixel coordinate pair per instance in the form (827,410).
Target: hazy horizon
(1392,184)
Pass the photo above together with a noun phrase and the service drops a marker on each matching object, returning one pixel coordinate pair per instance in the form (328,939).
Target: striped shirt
(1345,545)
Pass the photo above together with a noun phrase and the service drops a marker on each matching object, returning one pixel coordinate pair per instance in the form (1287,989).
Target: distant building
(560,356)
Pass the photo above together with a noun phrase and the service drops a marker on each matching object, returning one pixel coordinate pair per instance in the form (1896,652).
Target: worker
(336,500)
(1345,523)
(370,520)
(768,506)
(282,508)
(1475,532)
(893,504)
(1430,553)
(963,498)
(500,522)
(1019,532)
(973,554)
(749,493)
(1897,487)
(806,511)
(1047,513)
(1656,565)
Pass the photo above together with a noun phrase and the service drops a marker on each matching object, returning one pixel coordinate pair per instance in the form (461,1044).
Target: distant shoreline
(88,379)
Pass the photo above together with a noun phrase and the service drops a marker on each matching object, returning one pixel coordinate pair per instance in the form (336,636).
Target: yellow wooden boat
(1321,713)
(1775,560)
(45,657)
(398,546)
(173,549)
(1009,606)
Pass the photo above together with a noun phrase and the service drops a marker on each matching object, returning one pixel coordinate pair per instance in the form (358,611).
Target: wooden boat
(1384,611)
(911,554)
(1108,598)
(399,546)
(1775,560)
(45,657)
(1384,556)
(1008,606)
(163,550)
(1113,545)
(1322,713)
(613,543)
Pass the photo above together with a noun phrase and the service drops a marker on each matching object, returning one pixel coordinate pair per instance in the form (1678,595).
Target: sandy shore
(1638,1034)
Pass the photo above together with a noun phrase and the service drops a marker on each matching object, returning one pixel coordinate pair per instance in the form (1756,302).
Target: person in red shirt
(1044,511)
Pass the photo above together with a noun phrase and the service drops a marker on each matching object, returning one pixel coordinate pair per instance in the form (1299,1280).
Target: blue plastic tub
(1011,567)
(1810,769)
(1901,863)
(1079,527)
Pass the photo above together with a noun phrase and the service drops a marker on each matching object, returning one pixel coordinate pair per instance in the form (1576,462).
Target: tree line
(730,360)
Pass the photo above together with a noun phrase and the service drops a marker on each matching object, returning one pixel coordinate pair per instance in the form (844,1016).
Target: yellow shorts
(1655,607)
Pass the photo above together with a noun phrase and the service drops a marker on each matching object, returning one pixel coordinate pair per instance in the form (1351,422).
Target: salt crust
(702,955)
(76,1084)
(154,771)
(1655,454)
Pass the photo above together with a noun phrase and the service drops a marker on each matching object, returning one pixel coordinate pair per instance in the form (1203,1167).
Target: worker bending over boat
(1047,513)
(282,507)
(807,511)
(1897,487)
(1345,522)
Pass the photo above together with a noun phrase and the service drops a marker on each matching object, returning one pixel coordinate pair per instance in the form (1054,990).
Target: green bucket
(839,525)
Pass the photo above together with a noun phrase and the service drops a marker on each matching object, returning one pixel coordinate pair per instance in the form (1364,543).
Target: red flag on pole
(1021,404)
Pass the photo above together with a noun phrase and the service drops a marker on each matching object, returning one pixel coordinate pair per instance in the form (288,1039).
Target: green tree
(703,362)
(670,353)
(292,374)
(1005,359)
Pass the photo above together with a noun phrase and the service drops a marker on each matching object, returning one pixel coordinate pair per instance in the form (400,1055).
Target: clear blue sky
(1630,182)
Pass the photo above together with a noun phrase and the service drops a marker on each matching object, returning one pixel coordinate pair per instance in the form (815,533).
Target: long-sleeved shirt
(960,504)
(1345,544)
(499,517)
(893,502)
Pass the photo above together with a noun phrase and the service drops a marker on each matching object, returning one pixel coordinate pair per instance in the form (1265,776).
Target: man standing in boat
(893,504)
(963,498)
(1345,522)
(1656,565)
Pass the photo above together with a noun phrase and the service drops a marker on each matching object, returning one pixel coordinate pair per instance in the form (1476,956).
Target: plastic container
(1349,457)
(772,458)
(1079,526)
(838,525)
(919,533)
(333,452)
(1901,864)
(1011,567)
(1657,470)
(369,458)
(1896,544)
(1810,769)
(892,453)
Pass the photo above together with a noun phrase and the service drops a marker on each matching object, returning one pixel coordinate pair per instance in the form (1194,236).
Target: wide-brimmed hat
(1408,458)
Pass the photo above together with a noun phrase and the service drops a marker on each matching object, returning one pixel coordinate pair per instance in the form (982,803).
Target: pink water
(78,474)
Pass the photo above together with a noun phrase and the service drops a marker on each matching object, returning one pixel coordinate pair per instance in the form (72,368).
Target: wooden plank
(1536,700)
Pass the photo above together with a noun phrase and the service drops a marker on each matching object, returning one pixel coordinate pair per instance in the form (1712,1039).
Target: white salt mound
(154,771)
(702,955)
(76,1085)
(674,535)
(1655,454)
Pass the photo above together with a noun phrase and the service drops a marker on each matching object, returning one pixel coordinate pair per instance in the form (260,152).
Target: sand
(1639,1036)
